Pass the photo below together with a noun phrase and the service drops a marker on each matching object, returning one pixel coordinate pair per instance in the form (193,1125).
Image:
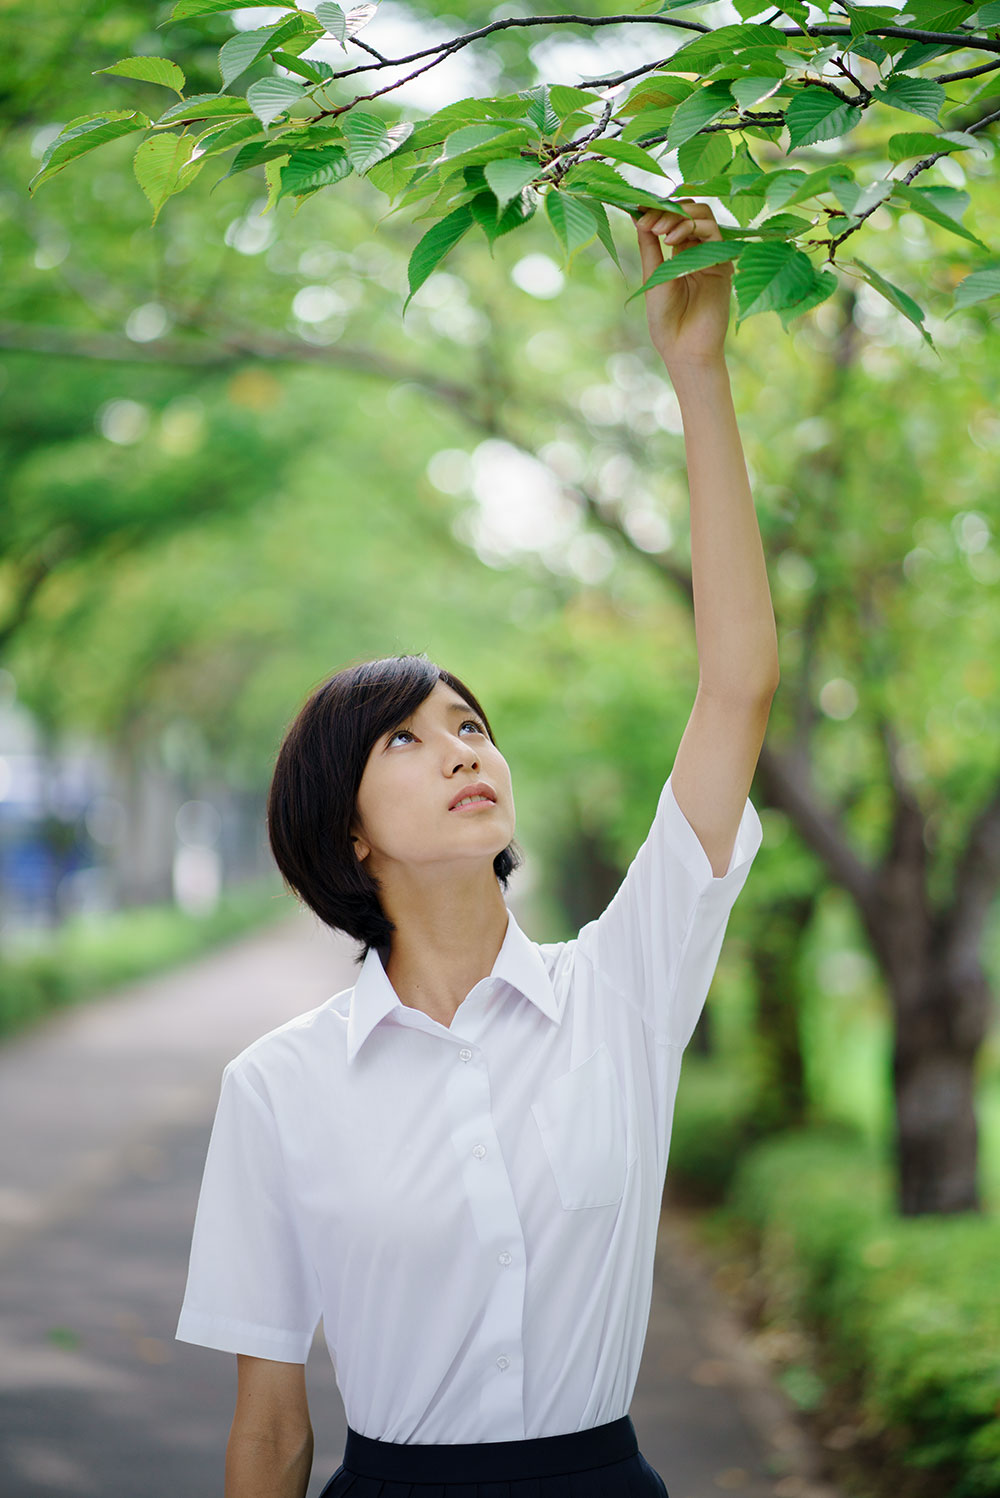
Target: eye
(474,724)
(399,734)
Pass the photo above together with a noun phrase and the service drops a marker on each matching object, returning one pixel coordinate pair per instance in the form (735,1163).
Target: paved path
(104,1117)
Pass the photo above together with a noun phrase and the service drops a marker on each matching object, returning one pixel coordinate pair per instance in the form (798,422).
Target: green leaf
(571,219)
(723,43)
(771,275)
(989,15)
(517,212)
(369,140)
(434,246)
(272,176)
(539,110)
(204,107)
(916,95)
(566,101)
(752,87)
(816,114)
(246,47)
(76,140)
(332,18)
(604,233)
(219,138)
(691,258)
(158,164)
(699,110)
(657,92)
(501,146)
(899,299)
(307,170)
(705,156)
(148,70)
(308,68)
(184,10)
(598,180)
(508,176)
(468,137)
(824,286)
(981,283)
(391,175)
(621,150)
(269,97)
(942,205)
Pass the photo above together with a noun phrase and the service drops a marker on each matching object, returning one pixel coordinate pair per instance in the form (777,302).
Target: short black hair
(312,801)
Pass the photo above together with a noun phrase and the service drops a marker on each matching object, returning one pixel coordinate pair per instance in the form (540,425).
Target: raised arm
(733,615)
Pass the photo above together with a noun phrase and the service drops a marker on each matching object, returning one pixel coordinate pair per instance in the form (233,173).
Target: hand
(687,317)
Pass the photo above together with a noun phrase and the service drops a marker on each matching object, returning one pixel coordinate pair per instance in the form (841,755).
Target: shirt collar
(518,962)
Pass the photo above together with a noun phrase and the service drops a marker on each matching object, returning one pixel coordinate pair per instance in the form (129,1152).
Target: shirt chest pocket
(581,1117)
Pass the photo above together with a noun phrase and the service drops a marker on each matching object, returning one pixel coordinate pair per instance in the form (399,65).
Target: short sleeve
(658,942)
(250,1287)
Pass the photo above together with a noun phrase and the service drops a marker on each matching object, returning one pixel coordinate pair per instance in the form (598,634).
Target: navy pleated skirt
(604,1462)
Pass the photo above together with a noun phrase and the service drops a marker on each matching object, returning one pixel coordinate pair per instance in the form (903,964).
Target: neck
(446,940)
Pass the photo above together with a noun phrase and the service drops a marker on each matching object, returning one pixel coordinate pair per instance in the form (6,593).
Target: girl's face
(404,813)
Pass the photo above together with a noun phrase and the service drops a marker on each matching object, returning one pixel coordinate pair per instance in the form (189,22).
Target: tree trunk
(776,962)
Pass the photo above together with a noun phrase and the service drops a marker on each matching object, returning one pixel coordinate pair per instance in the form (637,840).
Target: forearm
(260,1467)
(733,614)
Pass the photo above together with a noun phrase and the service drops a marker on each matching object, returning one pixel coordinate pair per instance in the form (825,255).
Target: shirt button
(465,1055)
(479,1151)
(504,1258)
(503,1363)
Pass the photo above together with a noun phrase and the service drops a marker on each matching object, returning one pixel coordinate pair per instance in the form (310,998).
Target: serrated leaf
(989,15)
(915,95)
(333,20)
(391,175)
(572,221)
(781,185)
(184,10)
(724,43)
(980,284)
(269,97)
(157,165)
(566,101)
(697,111)
(434,246)
(621,150)
(148,70)
(247,47)
(517,212)
(899,298)
(369,139)
(815,114)
(204,107)
(468,137)
(658,91)
(752,87)
(770,275)
(598,180)
(272,176)
(307,170)
(824,286)
(539,111)
(604,233)
(941,205)
(219,138)
(310,69)
(691,258)
(705,156)
(77,139)
(508,176)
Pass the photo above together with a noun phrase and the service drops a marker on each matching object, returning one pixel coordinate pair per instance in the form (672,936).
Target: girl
(458,1162)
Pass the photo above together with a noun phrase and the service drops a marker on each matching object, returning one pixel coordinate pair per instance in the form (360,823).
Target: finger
(650,253)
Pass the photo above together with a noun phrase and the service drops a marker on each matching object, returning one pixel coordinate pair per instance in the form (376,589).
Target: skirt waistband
(491,1461)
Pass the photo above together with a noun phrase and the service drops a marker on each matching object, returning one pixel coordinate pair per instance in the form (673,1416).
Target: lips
(479,790)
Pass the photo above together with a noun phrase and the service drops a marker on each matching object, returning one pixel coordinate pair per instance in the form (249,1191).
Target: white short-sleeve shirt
(472,1210)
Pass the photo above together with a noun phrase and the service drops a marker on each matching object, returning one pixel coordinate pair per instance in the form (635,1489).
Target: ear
(361,848)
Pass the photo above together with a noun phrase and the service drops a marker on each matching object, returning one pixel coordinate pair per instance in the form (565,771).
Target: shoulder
(289,1056)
